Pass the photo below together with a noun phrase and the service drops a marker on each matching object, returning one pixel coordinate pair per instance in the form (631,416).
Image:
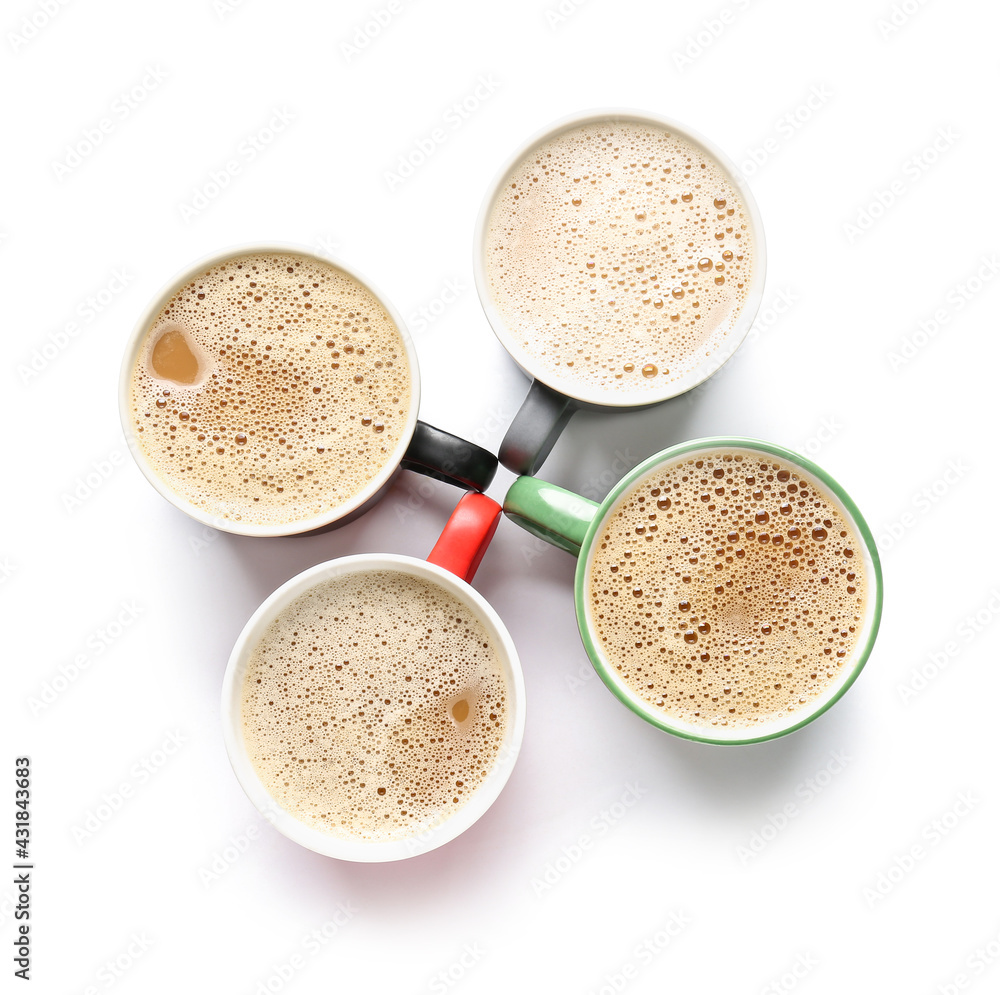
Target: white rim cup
(137,343)
(618,398)
(354,849)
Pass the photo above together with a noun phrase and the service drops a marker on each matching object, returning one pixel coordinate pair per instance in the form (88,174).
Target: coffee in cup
(727,590)
(619,255)
(620,260)
(269,390)
(374,705)
(271,387)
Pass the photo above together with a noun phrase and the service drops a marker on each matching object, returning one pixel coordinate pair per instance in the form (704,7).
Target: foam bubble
(374,705)
(270,389)
(727,588)
(619,256)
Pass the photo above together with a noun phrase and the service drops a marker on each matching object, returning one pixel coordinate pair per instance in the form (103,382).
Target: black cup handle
(536,426)
(447,457)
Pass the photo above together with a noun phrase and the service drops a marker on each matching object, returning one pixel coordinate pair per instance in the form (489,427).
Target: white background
(912,441)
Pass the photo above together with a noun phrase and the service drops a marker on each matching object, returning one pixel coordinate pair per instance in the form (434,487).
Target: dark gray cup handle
(536,426)
(446,457)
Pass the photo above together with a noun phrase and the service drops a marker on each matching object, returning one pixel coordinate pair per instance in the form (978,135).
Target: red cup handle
(466,535)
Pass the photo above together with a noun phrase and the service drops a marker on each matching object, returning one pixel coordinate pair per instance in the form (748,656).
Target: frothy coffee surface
(727,588)
(374,706)
(619,256)
(270,389)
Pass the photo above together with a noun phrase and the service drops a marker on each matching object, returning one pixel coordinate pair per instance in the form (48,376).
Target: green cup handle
(552,513)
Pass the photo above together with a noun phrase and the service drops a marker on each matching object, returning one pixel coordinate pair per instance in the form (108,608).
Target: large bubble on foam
(175,358)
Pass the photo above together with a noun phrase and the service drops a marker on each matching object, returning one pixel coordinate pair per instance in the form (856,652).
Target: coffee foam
(727,589)
(270,389)
(374,705)
(619,256)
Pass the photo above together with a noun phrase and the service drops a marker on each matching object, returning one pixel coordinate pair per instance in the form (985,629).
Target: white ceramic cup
(462,553)
(421,447)
(552,400)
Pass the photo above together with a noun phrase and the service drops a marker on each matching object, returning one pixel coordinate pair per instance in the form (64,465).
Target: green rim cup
(572,522)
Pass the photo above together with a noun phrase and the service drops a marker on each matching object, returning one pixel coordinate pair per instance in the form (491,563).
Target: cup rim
(367,851)
(739,736)
(136,342)
(746,316)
